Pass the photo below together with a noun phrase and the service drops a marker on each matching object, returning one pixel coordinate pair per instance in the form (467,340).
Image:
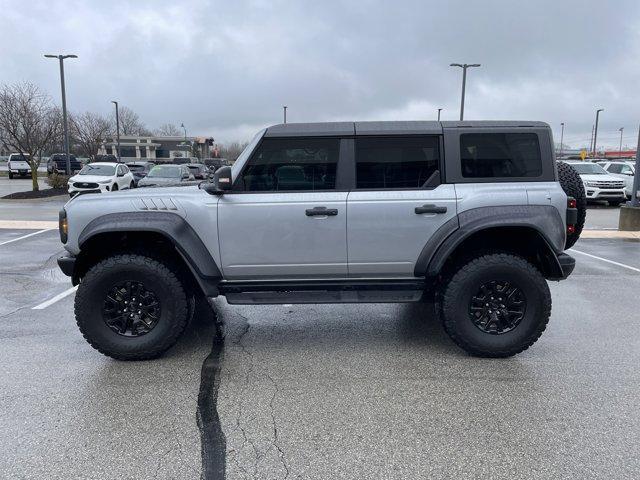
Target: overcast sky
(226,68)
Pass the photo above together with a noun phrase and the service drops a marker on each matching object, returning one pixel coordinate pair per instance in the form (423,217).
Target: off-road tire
(466,281)
(572,185)
(155,276)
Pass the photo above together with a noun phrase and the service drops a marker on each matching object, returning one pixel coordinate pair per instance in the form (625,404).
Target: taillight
(571,229)
(571,203)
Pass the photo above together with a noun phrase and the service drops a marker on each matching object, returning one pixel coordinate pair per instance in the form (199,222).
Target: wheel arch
(533,232)
(164,235)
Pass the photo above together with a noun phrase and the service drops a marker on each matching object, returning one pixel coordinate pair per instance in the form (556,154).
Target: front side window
(291,164)
(396,162)
(500,155)
(614,168)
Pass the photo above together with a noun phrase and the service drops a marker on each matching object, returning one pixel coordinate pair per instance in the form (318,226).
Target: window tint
(292,164)
(614,168)
(395,162)
(486,155)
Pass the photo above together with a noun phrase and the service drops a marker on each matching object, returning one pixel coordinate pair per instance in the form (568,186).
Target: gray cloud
(226,68)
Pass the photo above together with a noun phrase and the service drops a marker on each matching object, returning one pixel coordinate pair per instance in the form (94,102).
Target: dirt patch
(45,193)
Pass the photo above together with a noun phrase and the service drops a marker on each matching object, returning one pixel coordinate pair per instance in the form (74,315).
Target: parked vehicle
(622,170)
(600,185)
(215,163)
(57,163)
(106,158)
(338,213)
(140,170)
(101,177)
(198,170)
(184,160)
(18,165)
(166,174)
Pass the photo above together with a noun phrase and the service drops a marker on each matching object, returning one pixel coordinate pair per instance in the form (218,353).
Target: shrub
(57,180)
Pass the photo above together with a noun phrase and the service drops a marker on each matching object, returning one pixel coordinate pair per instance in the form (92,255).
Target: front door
(397,205)
(284,217)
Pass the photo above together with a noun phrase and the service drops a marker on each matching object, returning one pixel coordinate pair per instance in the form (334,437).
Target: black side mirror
(221,182)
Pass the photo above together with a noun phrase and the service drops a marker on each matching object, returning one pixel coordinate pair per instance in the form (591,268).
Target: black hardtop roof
(401,127)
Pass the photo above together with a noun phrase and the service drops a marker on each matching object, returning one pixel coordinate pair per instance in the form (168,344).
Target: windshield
(18,158)
(101,170)
(165,171)
(588,168)
(245,153)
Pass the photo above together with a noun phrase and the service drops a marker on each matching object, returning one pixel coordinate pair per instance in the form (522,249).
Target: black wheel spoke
(130,309)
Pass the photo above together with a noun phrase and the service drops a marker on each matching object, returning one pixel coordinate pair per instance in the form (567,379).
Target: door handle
(321,211)
(430,208)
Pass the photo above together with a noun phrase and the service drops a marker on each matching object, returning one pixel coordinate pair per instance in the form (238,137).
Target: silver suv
(471,215)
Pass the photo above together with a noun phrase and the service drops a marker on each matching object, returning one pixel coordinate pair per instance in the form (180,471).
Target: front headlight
(592,184)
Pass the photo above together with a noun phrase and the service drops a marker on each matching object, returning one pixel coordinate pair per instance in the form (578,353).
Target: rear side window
(500,155)
(396,162)
(292,164)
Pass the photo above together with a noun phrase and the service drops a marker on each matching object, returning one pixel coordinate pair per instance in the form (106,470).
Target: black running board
(334,291)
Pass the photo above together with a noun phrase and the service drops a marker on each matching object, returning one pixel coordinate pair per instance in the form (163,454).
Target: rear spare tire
(572,185)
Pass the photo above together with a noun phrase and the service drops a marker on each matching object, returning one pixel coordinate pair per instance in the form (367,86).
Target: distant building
(159,148)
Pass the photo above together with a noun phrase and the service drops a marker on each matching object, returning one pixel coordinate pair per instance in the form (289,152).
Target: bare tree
(130,123)
(168,130)
(232,150)
(90,130)
(29,123)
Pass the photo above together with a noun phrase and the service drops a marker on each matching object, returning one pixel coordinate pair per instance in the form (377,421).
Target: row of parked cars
(104,176)
(605,180)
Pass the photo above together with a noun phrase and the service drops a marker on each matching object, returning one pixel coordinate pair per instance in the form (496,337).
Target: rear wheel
(131,307)
(572,185)
(496,305)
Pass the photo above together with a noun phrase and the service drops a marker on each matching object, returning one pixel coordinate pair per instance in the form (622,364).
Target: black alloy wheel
(130,309)
(498,307)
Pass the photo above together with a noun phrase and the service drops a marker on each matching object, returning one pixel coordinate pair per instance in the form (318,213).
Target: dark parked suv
(57,163)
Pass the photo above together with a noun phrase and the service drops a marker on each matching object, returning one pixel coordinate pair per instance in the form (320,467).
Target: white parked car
(622,170)
(101,177)
(600,185)
(18,165)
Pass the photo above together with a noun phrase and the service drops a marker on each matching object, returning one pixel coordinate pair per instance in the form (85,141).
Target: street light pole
(561,138)
(61,59)
(620,148)
(439,110)
(464,67)
(185,137)
(117,129)
(284,110)
(595,132)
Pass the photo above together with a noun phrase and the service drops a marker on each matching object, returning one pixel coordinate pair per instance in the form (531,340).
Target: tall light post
(635,201)
(61,59)
(595,132)
(185,137)
(464,67)
(439,110)
(117,129)
(284,111)
(561,137)
(620,148)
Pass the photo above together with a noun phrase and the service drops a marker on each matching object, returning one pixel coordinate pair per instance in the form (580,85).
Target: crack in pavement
(212,438)
(281,454)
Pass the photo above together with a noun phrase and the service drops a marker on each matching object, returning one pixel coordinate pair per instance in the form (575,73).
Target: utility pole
(464,67)
(595,132)
(61,58)
(117,129)
(284,110)
(439,110)
(561,138)
(620,148)
(185,138)
(636,178)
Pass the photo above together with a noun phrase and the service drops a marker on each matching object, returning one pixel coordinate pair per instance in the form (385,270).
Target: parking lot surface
(19,185)
(321,391)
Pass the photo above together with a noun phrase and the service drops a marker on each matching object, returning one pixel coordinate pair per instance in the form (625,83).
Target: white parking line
(53,300)
(26,236)
(607,260)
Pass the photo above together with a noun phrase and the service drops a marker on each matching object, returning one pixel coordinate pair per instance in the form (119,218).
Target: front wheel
(131,307)
(496,305)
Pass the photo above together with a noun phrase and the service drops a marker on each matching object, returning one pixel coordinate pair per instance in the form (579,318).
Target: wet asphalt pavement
(322,391)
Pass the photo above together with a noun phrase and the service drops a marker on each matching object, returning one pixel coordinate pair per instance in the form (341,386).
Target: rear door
(397,205)
(286,216)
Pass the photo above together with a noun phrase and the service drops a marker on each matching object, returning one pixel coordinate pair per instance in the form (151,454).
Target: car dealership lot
(322,391)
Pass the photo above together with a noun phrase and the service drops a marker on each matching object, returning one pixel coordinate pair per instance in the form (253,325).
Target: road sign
(583,154)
